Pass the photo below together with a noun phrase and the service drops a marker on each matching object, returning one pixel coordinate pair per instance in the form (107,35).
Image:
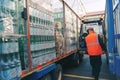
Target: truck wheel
(57,73)
(76,60)
(81,57)
(46,77)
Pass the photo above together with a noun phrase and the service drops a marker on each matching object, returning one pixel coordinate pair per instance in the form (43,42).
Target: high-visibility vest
(93,46)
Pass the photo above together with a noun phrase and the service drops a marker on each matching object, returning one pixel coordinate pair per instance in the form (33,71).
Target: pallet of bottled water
(10,68)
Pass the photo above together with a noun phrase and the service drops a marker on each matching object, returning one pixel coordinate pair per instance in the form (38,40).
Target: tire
(57,73)
(76,60)
(81,57)
(46,77)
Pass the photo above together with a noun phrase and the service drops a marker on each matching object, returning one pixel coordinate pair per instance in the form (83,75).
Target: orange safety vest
(93,46)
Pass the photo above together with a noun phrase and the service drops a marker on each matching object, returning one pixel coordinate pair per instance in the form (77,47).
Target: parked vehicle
(112,19)
(33,43)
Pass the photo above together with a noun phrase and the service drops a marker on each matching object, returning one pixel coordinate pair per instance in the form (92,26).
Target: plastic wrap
(9,60)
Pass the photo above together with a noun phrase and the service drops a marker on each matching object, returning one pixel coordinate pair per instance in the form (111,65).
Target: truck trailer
(112,32)
(35,40)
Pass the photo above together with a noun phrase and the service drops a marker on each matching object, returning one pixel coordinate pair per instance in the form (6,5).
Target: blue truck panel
(111,37)
(38,74)
(117,36)
(117,65)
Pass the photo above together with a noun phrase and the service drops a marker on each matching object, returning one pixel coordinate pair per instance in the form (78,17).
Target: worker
(82,43)
(95,48)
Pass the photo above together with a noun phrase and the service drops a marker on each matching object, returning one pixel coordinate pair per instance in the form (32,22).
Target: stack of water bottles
(41,35)
(70,29)
(10,67)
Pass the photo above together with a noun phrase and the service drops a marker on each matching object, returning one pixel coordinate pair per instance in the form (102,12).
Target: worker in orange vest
(95,48)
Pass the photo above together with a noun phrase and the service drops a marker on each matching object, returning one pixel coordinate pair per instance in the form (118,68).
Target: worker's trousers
(95,62)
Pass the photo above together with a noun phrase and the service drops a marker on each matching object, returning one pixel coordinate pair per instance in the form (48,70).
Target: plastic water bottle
(4,72)
(12,66)
(0,63)
(17,63)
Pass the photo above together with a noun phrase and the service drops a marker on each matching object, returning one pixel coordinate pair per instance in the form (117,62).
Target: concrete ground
(83,71)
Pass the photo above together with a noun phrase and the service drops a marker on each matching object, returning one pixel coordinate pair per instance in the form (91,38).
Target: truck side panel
(112,19)
(40,73)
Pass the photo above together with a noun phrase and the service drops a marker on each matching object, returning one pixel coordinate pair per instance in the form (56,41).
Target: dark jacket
(102,44)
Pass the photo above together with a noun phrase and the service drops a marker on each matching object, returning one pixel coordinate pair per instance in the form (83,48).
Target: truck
(35,40)
(111,24)
(94,20)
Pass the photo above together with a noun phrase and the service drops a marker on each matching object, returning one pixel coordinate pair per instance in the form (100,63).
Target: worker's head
(90,29)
